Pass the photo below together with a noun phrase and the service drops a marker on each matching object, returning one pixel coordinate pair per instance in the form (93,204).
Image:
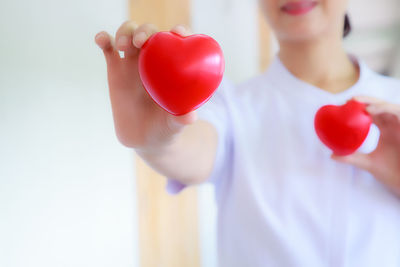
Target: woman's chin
(299,34)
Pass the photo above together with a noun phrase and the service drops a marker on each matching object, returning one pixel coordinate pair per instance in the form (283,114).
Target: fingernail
(372,109)
(140,38)
(123,41)
(180,29)
(99,35)
(360,99)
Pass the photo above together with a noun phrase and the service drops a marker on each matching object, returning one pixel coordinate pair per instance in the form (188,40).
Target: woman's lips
(298,8)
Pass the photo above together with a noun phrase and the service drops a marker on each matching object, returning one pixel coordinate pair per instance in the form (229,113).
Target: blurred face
(300,20)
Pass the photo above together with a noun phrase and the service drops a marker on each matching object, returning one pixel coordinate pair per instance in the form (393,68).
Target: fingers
(124,38)
(377,106)
(126,35)
(176,123)
(142,33)
(386,116)
(106,42)
(383,107)
(182,30)
(388,124)
(186,119)
(130,38)
(362,161)
(382,113)
(368,100)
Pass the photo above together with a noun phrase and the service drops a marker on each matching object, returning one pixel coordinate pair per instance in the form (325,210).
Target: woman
(283,200)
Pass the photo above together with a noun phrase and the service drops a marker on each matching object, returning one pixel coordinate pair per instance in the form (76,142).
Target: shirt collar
(285,80)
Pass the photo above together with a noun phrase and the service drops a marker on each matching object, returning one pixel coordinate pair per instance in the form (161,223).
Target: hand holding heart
(139,121)
(384,162)
(343,128)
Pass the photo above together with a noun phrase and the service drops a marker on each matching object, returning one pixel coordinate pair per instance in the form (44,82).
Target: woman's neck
(322,63)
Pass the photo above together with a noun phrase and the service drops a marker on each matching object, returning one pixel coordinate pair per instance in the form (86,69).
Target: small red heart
(181,73)
(343,128)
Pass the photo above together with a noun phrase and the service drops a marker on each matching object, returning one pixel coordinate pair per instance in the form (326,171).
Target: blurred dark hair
(347,26)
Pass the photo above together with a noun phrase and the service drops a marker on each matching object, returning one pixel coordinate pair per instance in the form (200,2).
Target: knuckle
(138,30)
(126,28)
(143,32)
(149,28)
(101,36)
(180,25)
(182,29)
(127,140)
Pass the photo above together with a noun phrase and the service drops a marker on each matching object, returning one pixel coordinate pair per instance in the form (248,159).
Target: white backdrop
(66,185)
(376,34)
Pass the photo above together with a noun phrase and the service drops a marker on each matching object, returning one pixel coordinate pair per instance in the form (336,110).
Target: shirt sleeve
(216,111)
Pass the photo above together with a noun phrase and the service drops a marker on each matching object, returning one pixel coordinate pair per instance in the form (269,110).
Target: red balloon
(343,128)
(181,73)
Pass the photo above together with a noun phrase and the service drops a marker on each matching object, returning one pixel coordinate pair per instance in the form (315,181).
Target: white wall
(233,23)
(66,185)
(376,33)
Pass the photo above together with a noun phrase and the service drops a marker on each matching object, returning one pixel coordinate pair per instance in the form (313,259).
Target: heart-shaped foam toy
(181,73)
(343,128)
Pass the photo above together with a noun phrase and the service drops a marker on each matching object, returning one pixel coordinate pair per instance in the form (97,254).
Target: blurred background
(70,194)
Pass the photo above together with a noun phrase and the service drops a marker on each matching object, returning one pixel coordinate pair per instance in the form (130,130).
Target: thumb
(181,30)
(177,122)
(358,160)
(187,118)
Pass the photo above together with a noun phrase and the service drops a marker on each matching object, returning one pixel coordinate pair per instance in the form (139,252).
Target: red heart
(343,128)
(180,73)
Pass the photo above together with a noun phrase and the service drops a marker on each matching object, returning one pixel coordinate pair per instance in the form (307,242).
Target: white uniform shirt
(281,200)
